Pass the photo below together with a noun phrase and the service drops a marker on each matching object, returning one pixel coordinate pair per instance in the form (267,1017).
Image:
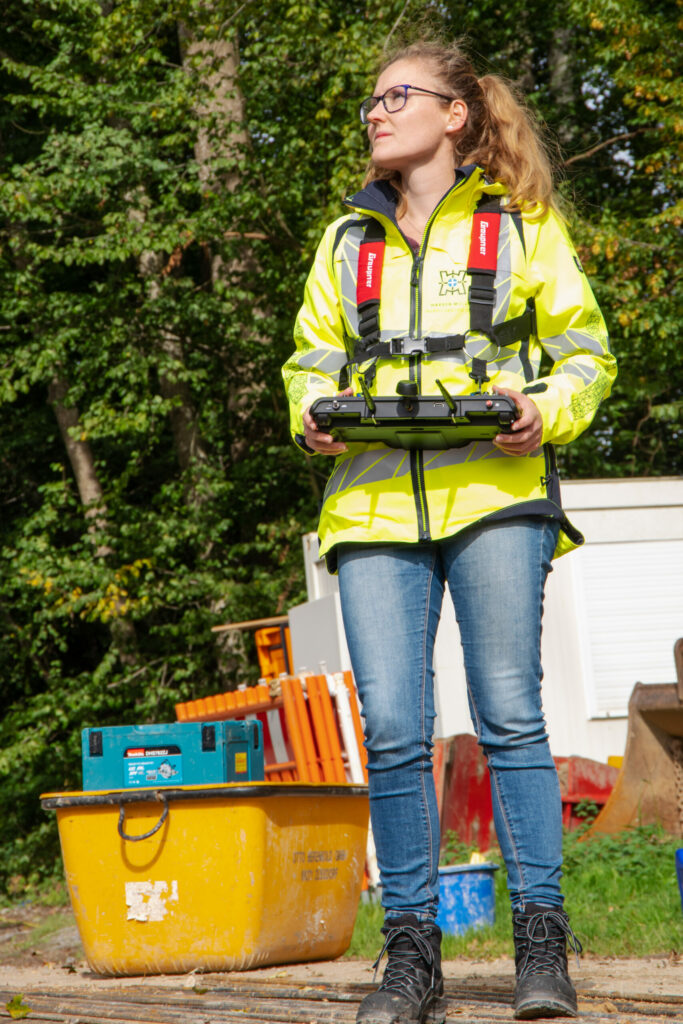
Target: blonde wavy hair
(500,134)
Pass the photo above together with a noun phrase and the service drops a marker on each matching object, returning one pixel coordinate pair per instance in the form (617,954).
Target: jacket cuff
(300,442)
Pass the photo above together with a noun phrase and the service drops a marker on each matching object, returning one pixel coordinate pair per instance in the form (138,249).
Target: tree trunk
(561,82)
(80,457)
(218,62)
(188,443)
(92,497)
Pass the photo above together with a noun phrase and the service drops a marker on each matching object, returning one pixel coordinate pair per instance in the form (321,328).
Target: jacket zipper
(417,464)
(415,297)
(415,364)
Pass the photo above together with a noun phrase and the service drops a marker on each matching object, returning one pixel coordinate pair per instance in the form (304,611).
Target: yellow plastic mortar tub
(219,877)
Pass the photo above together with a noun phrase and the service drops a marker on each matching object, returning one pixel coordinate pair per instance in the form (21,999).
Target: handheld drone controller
(416,421)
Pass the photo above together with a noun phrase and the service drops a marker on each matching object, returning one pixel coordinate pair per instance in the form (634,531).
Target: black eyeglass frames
(394,99)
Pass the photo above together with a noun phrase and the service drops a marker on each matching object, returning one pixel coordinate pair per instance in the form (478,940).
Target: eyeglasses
(394,99)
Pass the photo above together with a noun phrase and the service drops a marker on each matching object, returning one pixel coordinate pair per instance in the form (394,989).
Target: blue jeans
(391,596)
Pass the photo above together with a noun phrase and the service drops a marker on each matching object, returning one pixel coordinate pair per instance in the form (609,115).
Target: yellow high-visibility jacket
(376,493)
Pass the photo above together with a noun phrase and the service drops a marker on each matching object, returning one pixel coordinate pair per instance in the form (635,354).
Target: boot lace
(407,953)
(545,936)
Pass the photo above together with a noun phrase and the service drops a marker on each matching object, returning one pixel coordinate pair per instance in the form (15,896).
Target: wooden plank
(274,620)
(271,1002)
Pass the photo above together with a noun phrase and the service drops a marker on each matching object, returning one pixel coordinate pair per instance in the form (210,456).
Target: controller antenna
(448,399)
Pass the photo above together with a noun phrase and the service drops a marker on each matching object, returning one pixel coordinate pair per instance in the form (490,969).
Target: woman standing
(452,268)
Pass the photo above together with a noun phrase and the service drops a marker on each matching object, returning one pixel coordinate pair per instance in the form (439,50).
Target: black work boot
(412,987)
(543,988)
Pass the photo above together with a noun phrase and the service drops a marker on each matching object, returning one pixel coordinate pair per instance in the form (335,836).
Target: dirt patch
(40,950)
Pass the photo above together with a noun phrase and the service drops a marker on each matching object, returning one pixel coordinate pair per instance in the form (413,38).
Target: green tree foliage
(627,175)
(165,173)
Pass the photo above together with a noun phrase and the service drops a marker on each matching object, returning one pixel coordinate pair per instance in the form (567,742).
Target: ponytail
(508,145)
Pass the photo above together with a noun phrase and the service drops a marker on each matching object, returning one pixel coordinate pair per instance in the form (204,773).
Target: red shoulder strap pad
(369,280)
(483,257)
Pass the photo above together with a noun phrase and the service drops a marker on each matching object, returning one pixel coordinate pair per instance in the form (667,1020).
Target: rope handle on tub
(145,835)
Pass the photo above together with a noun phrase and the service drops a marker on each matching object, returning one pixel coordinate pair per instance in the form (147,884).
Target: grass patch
(36,935)
(621,895)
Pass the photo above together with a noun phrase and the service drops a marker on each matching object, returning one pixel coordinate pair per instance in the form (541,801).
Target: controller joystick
(407,388)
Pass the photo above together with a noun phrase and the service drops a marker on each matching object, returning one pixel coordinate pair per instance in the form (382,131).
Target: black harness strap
(409,346)
(502,334)
(482,264)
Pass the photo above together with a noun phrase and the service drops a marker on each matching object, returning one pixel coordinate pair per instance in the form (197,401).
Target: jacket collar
(382,198)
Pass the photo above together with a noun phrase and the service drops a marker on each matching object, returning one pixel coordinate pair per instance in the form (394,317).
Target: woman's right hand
(317,439)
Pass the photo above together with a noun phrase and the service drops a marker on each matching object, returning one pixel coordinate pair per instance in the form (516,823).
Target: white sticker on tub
(146,901)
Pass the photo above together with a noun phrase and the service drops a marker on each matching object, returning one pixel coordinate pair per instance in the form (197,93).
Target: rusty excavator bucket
(649,787)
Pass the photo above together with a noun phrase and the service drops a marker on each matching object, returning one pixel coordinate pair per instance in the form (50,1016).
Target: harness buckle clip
(482,296)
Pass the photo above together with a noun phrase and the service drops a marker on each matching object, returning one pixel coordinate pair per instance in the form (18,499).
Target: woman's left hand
(527,430)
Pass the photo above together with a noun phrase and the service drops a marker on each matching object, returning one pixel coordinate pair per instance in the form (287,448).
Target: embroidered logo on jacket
(452,282)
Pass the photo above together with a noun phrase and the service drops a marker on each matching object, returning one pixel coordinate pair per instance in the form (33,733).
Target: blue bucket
(679,872)
(466,897)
